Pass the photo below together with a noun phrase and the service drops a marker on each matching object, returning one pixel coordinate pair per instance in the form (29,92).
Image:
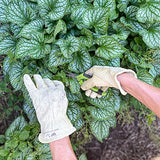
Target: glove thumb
(88,84)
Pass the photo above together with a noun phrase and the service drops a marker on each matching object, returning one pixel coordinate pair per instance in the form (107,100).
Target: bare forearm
(62,149)
(147,94)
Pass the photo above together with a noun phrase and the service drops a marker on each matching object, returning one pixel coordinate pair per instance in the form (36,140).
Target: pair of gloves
(50,101)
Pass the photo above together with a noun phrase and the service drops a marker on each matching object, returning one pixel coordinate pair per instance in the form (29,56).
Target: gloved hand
(104,77)
(50,102)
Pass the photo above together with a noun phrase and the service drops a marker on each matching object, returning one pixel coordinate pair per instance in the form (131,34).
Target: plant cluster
(57,38)
(20,142)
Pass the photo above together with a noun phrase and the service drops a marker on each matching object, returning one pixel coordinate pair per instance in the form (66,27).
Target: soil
(128,142)
(5,121)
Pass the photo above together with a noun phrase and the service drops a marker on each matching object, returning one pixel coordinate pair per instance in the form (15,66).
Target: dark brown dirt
(128,142)
(5,120)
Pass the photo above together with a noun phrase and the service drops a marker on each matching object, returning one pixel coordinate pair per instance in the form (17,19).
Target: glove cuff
(64,129)
(129,71)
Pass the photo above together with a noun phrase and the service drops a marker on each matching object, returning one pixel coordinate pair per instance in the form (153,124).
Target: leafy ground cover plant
(56,37)
(20,142)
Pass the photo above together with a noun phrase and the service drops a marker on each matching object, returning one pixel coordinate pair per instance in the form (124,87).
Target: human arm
(50,103)
(124,80)
(62,149)
(145,93)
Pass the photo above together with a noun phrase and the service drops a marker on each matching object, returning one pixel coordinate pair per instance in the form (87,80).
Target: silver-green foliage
(57,38)
(21,142)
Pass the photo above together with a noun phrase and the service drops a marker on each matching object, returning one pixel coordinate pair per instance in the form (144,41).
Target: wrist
(125,80)
(55,130)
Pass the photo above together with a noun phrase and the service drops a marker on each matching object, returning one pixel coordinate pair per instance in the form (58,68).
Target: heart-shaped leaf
(150,12)
(97,17)
(34,47)
(34,26)
(152,36)
(19,12)
(55,9)
(69,46)
(100,129)
(81,61)
(109,48)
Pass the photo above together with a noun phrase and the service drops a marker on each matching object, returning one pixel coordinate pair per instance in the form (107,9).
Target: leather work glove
(50,102)
(104,77)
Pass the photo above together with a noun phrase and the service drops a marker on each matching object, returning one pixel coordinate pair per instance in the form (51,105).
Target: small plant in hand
(57,37)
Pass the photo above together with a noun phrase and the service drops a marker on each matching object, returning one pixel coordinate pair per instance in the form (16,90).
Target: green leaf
(15,29)
(17,125)
(74,85)
(122,31)
(109,48)
(150,12)
(60,27)
(122,5)
(110,100)
(55,9)
(34,26)
(101,113)
(131,21)
(151,36)
(69,46)
(73,97)
(7,44)
(23,147)
(97,17)
(16,75)
(81,61)
(2,139)
(24,135)
(30,112)
(35,48)
(83,157)
(79,123)
(97,61)
(138,60)
(77,16)
(156,62)
(86,40)
(114,62)
(50,25)
(100,129)
(3,7)
(7,65)
(56,58)
(73,112)
(4,152)
(19,12)
(4,31)
(107,4)
(145,76)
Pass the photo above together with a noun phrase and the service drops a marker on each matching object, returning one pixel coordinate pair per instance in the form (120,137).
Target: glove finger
(88,84)
(59,84)
(39,81)
(49,82)
(29,84)
(88,93)
(104,88)
(90,71)
(99,96)
(93,94)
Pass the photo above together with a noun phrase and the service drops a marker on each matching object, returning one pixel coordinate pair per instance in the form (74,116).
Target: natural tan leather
(50,102)
(104,77)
